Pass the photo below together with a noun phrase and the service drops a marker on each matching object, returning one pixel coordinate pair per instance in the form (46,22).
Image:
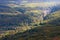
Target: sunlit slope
(53,18)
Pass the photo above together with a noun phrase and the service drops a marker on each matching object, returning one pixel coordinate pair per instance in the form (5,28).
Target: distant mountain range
(7,9)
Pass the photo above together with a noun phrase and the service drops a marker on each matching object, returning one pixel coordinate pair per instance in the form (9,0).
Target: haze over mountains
(45,7)
(29,19)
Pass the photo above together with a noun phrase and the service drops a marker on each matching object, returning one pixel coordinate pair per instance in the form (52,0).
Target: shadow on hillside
(13,20)
(39,33)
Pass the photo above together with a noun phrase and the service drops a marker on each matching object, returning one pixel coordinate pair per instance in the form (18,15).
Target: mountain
(6,9)
(53,18)
(23,17)
(48,31)
(33,13)
(11,20)
(55,8)
(10,17)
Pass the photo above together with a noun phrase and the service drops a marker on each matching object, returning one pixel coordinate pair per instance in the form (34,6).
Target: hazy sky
(19,1)
(31,3)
